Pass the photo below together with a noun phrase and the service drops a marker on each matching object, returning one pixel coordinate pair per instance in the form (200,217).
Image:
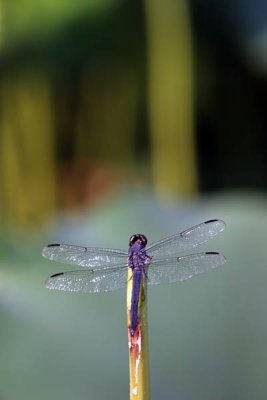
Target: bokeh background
(119,117)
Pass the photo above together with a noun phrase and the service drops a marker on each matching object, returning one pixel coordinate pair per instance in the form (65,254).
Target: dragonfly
(106,269)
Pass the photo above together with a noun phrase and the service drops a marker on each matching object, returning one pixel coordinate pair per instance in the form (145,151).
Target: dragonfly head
(139,238)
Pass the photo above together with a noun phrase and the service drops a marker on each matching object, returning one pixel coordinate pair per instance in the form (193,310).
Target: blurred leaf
(24,18)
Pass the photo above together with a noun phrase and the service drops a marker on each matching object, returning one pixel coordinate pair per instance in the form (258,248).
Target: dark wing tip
(221,257)
(219,222)
(210,221)
(57,274)
(46,252)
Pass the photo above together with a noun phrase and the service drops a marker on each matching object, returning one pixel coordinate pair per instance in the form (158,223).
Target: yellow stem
(138,345)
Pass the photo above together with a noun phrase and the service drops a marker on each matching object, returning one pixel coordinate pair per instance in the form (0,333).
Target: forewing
(92,257)
(89,281)
(182,268)
(186,240)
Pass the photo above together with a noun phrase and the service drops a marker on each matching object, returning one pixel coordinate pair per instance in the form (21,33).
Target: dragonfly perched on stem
(106,269)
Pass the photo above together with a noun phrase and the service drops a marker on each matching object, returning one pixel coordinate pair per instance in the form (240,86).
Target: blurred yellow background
(119,117)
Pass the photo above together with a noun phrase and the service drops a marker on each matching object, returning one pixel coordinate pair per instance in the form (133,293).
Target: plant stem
(138,345)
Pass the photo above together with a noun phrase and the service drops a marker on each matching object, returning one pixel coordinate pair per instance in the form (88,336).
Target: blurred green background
(119,117)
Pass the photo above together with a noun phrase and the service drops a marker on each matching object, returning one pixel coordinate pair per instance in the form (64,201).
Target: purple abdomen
(137,276)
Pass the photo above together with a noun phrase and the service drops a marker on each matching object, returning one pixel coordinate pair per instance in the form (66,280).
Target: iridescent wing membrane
(107,268)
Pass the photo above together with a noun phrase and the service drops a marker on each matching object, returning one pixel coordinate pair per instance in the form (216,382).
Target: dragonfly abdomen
(137,277)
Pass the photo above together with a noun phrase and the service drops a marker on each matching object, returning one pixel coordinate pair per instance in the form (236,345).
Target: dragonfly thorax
(137,257)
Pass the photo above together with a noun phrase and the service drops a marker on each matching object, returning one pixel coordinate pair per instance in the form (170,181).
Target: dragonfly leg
(145,273)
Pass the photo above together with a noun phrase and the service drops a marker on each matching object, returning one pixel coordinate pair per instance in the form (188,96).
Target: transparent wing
(89,281)
(182,268)
(85,256)
(186,240)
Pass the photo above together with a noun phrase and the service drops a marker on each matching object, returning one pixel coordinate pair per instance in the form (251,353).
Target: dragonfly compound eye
(138,237)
